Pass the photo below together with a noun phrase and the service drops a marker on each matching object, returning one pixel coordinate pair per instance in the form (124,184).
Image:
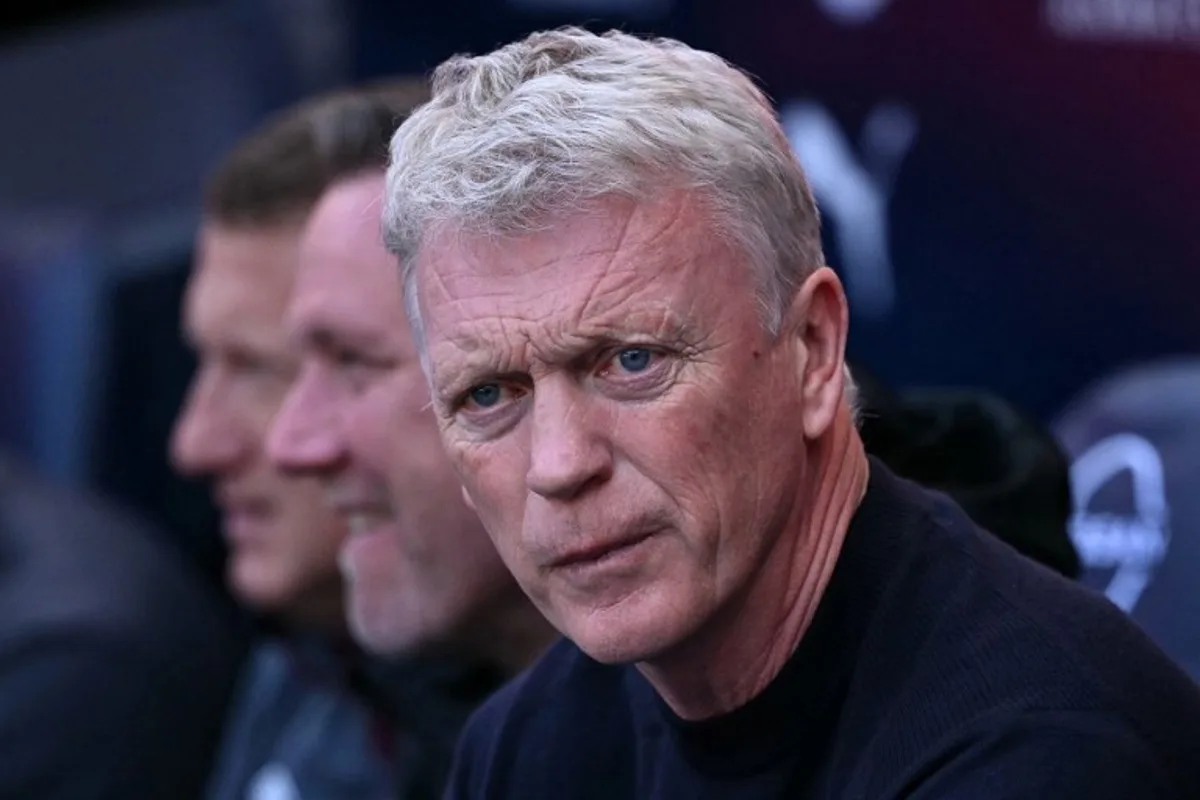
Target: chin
(378,635)
(376,626)
(625,633)
(374,639)
(257,589)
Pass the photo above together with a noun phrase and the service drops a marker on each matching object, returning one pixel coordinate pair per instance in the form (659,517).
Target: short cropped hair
(537,129)
(279,171)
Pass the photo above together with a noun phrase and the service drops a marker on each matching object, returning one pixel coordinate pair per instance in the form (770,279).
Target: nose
(568,454)
(305,434)
(208,438)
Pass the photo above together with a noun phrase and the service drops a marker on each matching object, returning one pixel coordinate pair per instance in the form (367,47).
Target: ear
(819,320)
(467,499)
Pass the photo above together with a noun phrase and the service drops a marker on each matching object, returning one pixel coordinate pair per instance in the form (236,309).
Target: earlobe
(822,327)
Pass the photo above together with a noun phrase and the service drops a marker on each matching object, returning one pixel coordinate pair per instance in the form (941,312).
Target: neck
(738,653)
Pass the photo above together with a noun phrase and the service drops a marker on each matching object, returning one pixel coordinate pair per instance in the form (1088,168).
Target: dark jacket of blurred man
(116,658)
(315,717)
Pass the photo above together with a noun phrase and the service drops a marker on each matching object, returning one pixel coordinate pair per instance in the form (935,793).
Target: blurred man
(423,577)
(303,726)
(613,268)
(117,660)
(422,572)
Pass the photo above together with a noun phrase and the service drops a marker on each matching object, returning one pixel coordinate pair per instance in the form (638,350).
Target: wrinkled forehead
(650,269)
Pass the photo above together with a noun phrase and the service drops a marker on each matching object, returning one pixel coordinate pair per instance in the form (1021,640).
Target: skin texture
(668,482)
(283,540)
(420,568)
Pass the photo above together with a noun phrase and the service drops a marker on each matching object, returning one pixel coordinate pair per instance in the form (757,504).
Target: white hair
(537,129)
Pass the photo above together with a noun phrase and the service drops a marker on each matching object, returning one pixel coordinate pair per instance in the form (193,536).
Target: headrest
(1007,473)
(1134,441)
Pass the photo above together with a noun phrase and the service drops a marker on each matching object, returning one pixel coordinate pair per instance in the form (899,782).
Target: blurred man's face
(283,541)
(419,566)
(630,434)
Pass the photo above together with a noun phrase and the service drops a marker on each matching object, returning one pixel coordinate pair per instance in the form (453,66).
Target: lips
(247,527)
(595,553)
(243,514)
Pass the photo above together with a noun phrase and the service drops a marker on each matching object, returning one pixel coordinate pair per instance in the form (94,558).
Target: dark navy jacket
(117,659)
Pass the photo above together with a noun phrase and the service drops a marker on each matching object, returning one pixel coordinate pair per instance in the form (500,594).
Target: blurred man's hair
(277,173)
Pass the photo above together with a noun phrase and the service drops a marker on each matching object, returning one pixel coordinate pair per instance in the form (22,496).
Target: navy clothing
(116,660)
(426,703)
(940,664)
(297,731)
(316,718)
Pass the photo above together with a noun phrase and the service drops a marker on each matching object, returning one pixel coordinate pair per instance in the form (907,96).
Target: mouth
(363,509)
(246,523)
(242,512)
(601,553)
(368,543)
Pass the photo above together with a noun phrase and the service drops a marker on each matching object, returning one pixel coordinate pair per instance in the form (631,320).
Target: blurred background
(1011,192)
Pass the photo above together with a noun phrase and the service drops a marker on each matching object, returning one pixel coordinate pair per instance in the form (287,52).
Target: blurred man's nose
(567,455)
(208,438)
(305,435)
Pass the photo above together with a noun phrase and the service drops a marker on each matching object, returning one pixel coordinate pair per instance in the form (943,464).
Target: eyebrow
(474,359)
(466,369)
(324,337)
(221,340)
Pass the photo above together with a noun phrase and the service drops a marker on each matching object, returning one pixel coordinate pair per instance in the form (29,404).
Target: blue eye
(486,396)
(634,359)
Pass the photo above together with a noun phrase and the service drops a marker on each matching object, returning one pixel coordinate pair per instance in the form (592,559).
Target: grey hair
(539,128)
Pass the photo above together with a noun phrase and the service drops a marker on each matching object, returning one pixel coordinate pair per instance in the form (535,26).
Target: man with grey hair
(612,262)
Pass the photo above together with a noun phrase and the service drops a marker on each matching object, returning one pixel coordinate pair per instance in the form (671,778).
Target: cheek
(368,427)
(262,400)
(314,530)
(493,475)
(697,453)
(688,447)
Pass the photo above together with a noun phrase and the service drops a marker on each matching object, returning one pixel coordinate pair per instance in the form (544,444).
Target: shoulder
(978,644)
(87,711)
(107,635)
(1019,620)
(978,599)
(81,673)
(1051,754)
(112,573)
(291,723)
(539,719)
(268,680)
